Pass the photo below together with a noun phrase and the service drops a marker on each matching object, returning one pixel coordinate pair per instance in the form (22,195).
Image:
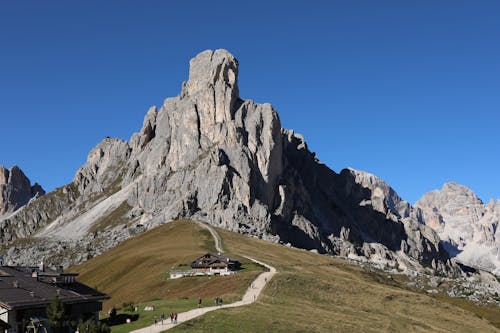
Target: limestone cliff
(16,189)
(467,225)
(209,155)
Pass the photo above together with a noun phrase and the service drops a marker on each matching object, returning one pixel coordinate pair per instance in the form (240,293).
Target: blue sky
(407,90)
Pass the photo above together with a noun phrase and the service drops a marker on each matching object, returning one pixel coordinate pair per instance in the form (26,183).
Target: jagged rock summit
(205,152)
(209,155)
(16,189)
(465,223)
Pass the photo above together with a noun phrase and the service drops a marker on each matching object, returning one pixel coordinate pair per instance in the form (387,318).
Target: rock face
(16,189)
(209,155)
(469,227)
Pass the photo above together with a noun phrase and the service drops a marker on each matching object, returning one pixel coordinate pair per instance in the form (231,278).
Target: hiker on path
(216,300)
(162,317)
(199,302)
(175,317)
(155,319)
(171,318)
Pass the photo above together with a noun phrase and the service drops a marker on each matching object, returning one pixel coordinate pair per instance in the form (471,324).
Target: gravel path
(215,235)
(250,296)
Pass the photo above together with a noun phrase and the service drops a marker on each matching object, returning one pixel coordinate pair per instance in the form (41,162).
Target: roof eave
(43,303)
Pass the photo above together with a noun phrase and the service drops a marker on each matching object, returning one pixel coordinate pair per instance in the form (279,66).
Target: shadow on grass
(120,319)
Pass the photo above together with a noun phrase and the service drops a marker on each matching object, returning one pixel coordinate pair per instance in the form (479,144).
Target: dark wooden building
(25,293)
(215,262)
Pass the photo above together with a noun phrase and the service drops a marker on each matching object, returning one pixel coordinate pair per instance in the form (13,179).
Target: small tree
(55,314)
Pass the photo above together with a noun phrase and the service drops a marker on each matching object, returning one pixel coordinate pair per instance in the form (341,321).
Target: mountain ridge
(209,155)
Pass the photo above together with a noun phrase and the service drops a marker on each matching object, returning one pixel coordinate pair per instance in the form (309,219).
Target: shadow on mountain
(451,249)
(335,204)
(466,269)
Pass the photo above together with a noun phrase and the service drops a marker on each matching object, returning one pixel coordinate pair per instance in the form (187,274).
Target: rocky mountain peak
(13,176)
(16,189)
(468,226)
(212,68)
(453,196)
(455,191)
(209,155)
(212,92)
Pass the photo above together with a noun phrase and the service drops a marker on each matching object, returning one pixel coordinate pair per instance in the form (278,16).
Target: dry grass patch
(136,270)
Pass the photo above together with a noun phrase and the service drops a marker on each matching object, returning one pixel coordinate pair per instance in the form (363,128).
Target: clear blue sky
(407,90)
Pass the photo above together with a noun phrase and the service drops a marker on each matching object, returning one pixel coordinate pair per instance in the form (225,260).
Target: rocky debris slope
(209,155)
(37,213)
(469,227)
(16,189)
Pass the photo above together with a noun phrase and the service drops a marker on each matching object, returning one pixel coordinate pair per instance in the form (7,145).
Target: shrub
(92,326)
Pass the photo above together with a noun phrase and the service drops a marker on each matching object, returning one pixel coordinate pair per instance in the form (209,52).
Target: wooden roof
(19,289)
(210,260)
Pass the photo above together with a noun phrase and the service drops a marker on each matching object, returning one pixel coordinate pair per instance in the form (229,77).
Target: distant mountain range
(468,227)
(209,155)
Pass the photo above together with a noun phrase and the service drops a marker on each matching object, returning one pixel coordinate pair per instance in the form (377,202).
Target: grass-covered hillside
(310,293)
(136,270)
(316,293)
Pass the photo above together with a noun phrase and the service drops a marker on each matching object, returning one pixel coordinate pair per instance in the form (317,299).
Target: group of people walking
(173,315)
(218,301)
(173,318)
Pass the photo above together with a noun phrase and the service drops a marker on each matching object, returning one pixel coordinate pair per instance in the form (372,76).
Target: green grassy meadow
(317,293)
(136,271)
(310,293)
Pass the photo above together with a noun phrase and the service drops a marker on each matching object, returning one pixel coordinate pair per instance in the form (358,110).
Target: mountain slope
(209,155)
(310,293)
(137,269)
(470,227)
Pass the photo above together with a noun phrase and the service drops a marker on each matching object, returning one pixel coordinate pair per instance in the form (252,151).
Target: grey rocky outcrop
(37,214)
(16,189)
(469,228)
(210,155)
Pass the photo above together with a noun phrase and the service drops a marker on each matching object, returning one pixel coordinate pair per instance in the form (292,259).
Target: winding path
(249,297)
(215,235)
